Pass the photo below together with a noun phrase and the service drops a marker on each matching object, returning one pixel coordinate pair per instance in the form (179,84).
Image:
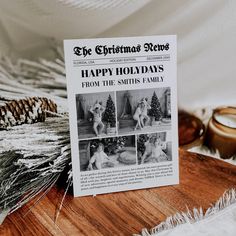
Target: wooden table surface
(202,181)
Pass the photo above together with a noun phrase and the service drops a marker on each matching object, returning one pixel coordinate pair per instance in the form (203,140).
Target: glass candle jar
(221,132)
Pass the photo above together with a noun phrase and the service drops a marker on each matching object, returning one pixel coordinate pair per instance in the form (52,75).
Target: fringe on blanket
(228,198)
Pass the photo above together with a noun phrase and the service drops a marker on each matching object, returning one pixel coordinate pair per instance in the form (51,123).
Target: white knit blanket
(219,220)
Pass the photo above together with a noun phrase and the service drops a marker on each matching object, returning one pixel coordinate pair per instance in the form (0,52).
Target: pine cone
(26,111)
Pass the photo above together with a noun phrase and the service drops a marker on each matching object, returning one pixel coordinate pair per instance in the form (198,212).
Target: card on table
(122,96)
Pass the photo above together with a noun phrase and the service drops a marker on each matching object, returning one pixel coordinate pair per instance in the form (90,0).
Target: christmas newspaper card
(122,95)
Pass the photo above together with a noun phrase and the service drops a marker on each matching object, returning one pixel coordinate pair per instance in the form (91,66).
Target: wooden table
(202,181)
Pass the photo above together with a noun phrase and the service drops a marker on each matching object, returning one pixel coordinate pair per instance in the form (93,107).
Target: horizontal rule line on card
(110,58)
(111,63)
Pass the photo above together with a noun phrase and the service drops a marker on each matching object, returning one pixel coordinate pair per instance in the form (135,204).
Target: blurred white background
(206,31)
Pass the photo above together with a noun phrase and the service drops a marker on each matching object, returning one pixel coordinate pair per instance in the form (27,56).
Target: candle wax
(226,119)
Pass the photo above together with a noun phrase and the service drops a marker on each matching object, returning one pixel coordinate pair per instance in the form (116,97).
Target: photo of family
(96,115)
(105,153)
(154,148)
(141,111)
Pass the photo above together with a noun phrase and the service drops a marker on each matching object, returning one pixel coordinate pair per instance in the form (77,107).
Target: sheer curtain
(206,33)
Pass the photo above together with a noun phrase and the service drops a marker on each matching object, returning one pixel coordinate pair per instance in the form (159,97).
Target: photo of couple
(96,115)
(154,148)
(142,111)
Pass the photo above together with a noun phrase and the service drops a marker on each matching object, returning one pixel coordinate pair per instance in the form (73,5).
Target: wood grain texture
(202,181)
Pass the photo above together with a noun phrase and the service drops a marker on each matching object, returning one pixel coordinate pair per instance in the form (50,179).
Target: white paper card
(122,95)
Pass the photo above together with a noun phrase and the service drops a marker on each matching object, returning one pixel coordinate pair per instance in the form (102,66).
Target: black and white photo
(97,154)
(154,148)
(143,110)
(96,114)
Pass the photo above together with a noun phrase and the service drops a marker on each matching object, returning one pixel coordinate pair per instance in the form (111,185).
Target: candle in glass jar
(221,132)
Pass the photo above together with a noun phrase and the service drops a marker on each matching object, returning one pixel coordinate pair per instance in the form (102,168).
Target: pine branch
(34,151)
(35,161)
